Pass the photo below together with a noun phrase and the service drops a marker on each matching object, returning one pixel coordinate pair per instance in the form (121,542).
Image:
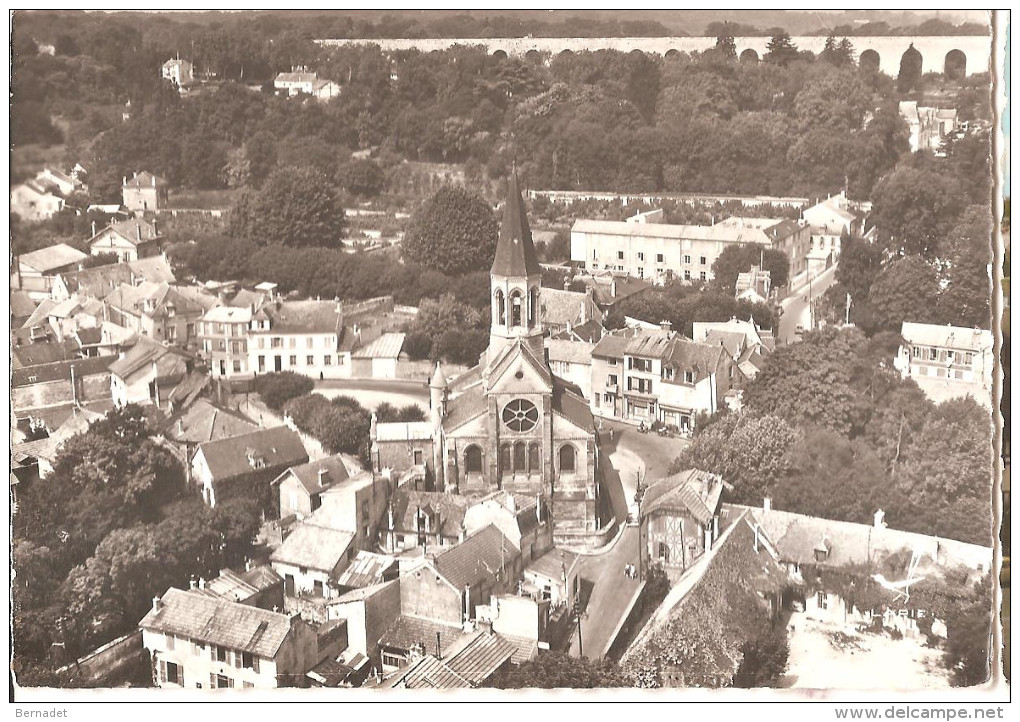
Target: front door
(288,585)
(223,368)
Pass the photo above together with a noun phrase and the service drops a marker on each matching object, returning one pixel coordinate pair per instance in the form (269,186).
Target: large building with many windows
(659,252)
(948,361)
(301,336)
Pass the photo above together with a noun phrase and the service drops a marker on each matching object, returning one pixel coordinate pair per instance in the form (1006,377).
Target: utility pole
(577,614)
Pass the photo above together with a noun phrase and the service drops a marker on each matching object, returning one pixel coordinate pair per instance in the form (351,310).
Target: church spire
(515,251)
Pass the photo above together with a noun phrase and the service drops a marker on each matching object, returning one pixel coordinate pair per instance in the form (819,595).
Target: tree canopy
(453,232)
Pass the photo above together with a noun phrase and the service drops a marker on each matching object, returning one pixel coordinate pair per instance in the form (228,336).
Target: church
(508,424)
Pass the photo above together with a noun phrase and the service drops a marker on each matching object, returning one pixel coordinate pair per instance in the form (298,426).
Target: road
(795,306)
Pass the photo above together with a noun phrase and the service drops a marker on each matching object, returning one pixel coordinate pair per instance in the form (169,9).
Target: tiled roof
(279,447)
(483,555)
(201,421)
(524,649)
(228,314)
(60,370)
(482,656)
(89,336)
(302,317)
(46,352)
(464,407)
(687,355)
(732,341)
(648,343)
(313,546)
(299,77)
(187,390)
(553,564)
(219,622)
(404,431)
(154,268)
(51,258)
(45,448)
(955,337)
(367,570)
(450,507)
(97,281)
(696,491)
(407,631)
(561,307)
(22,304)
(578,352)
(614,344)
(386,346)
(261,577)
(590,331)
(308,474)
(39,315)
(567,400)
(141,357)
(515,250)
(132,230)
(429,673)
(144,180)
(235,587)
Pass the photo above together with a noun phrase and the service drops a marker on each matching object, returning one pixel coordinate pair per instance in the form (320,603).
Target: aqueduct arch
(955,66)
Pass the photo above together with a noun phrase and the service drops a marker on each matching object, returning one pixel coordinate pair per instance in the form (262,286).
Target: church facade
(509,424)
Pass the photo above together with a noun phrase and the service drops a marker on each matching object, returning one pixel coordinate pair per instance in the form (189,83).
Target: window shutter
(162,671)
(230,682)
(237,659)
(255,663)
(212,680)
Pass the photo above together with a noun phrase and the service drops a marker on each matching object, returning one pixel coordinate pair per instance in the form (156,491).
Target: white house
(948,361)
(32,202)
(306,337)
(179,72)
(303,81)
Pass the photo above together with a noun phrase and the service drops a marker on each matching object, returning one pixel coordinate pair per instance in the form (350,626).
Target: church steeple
(515,251)
(515,278)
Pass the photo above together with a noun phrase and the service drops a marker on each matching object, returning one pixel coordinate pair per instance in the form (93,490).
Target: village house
(157,311)
(32,202)
(679,520)
(257,586)
(301,80)
(223,334)
(746,344)
(35,459)
(300,336)
(610,287)
(570,360)
(402,445)
(648,249)
(427,519)
(929,127)
(145,192)
(58,181)
(179,72)
(147,373)
(44,396)
(829,220)
(471,663)
(301,487)
(100,281)
(199,641)
(35,272)
(754,285)
(378,358)
(564,309)
(947,362)
(369,612)
(553,577)
(648,376)
(195,421)
(235,466)
(524,520)
(129,240)
(367,570)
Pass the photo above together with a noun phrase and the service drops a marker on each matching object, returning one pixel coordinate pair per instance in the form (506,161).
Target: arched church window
(568,459)
(532,306)
(520,457)
(505,462)
(534,460)
(500,308)
(473,459)
(516,310)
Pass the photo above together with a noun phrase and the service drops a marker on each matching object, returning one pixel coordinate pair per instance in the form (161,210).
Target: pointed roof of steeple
(515,251)
(438,378)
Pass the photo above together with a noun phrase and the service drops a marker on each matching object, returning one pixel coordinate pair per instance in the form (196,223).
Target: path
(795,306)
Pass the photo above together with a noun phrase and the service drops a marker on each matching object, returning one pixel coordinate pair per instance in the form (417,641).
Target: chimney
(666,326)
(201,583)
(467,602)
(153,181)
(439,646)
(138,231)
(192,584)
(756,538)
(880,519)
(538,508)
(157,604)
(247,565)
(155,227)
(180,427)
(93,228)
(767,504)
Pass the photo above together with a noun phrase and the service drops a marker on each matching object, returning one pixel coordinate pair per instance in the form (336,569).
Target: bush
(277,388)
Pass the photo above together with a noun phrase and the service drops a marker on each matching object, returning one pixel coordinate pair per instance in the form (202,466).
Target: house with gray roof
(301,487)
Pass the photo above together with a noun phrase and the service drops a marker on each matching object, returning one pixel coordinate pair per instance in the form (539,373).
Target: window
(640,272)
(534,458)
(687,275)
(703,276)
(659,258)
(640,256)
(917,352)
(520,456)
(520,415)
(262,364)
(613,362)
(516,310)
(293,360)
(823,600)
(327,360)
(237,366)
(664,552)
(417,457)
(568,459)
(612,379)
(619,255)
(687,259)
(220,681)
(276,342)
(247,685)
(170,642)
(968,359)
(667,373)
(594,254)
(473,459)
(688,377)
(608,399)
(949,356)
(174,673)
(933,354)
(500,308)
(293,342)
(704,261)
(309,342)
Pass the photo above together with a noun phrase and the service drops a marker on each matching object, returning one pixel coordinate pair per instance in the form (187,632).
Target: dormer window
(688,377)
(256,460)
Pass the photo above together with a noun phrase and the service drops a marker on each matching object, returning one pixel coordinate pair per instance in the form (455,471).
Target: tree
(915,209)
(277,388)
(737,259)
(906,290)
(362,178)
(557,670)
(454,231)
(763,660)
(968,637)
(295,207)
(726,46)
(909,77)
(859,262)
(781,50)
(747,450)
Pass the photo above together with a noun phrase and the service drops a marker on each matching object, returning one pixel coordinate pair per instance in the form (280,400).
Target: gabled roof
(515,250)
(296,77)
(279,447)
(590,331)
(143,355)
(154,268)
(302,316)
(568,400)
(60,370)
(220,622)
(48,352)
(228,314)
(97,281)
(450,507)
(428,672)
(133,230)
(360,594)
(22,304)
(481,657)
(145,179)
(386,346)
(696,491)
(561,307)
(464,407)
(40,314)
(202,421)
(687,355)
(578,352)
(309,477)
(481,556)
(367,570)
(407,631)
(315,547)
(51,258)
(955,337)
(732,341)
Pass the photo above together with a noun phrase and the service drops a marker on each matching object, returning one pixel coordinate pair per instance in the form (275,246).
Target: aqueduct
(960,54)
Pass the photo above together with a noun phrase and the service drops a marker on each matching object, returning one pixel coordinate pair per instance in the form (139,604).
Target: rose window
(520,415)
